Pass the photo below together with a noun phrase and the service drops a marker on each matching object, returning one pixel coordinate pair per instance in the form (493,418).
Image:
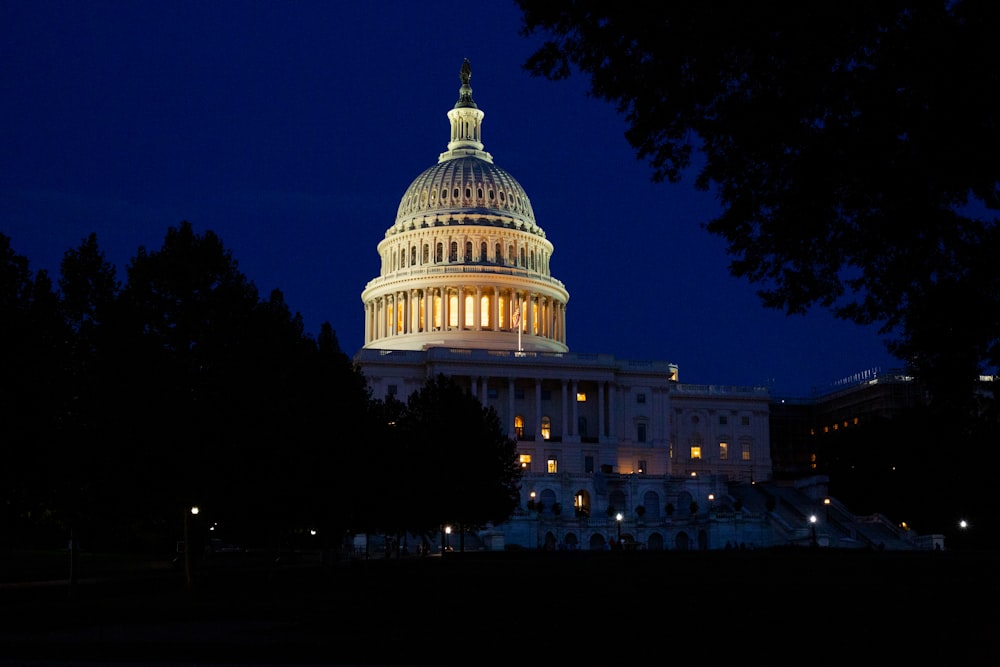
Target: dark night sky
(292,129)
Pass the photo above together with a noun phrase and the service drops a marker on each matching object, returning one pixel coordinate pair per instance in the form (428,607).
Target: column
(530,315)
(576,420)
(510,408)
(567,427)
(600,410)
(538,410)
(368,322)
(495,310)
(612,408)
(413,308)
(461,308)
(562,325)
(445,309)
(477,323)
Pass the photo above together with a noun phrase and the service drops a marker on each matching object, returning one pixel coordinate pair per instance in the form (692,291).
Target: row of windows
(723,451)
(723,419)
(527,259)
(456,194)
(552,461)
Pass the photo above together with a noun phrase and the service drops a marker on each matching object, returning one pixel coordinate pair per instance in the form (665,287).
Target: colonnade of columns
(470,308)
(570,407)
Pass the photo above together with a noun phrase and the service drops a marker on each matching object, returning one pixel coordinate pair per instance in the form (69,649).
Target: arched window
(498,254)
(426,254)
(439,253)
(413,255)
(453,252)
(468,251)
(483,251)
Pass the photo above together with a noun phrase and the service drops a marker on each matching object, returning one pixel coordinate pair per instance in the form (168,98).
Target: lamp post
(447,537)
(618,518)
(187,543)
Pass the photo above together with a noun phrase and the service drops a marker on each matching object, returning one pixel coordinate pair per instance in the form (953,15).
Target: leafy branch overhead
(852,147)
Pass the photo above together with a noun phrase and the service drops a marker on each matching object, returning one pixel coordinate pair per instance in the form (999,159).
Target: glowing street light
(187,543)
(618,518)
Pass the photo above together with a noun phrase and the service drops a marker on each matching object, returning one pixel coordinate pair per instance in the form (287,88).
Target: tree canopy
(852,146)
(125,404)
(455,462)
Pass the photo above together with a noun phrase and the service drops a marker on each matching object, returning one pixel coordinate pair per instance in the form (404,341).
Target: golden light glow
(470,313)
(525,460)
(581,397)
(695,452)
(553,466)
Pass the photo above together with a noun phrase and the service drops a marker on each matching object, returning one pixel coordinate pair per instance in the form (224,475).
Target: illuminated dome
(466,186)
(464,264)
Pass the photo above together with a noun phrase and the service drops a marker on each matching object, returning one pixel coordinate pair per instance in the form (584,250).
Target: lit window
(519,427)
(696,452)
(723,451)
(581,397)
(546,428)
(525,461)
(553,465)
(746,451)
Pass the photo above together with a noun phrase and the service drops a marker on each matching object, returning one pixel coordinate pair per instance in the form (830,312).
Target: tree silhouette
(33,397)
(848,144)
(458,466)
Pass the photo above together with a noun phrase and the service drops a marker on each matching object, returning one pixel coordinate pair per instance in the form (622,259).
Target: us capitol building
(612,451)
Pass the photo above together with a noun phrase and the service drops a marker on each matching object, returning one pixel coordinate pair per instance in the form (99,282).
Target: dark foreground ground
(768,607)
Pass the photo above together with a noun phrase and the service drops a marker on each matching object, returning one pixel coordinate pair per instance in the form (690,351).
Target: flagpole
(519,349)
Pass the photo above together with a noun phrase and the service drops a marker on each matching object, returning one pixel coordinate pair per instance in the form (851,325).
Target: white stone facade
(466,290)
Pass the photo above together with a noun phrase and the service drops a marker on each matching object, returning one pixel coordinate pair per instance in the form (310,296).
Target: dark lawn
(768,607)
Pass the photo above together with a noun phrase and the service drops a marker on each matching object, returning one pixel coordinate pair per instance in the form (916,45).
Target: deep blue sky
(292,129)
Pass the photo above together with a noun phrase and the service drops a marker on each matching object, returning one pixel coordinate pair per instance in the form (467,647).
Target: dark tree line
(852,146)
(126,403)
